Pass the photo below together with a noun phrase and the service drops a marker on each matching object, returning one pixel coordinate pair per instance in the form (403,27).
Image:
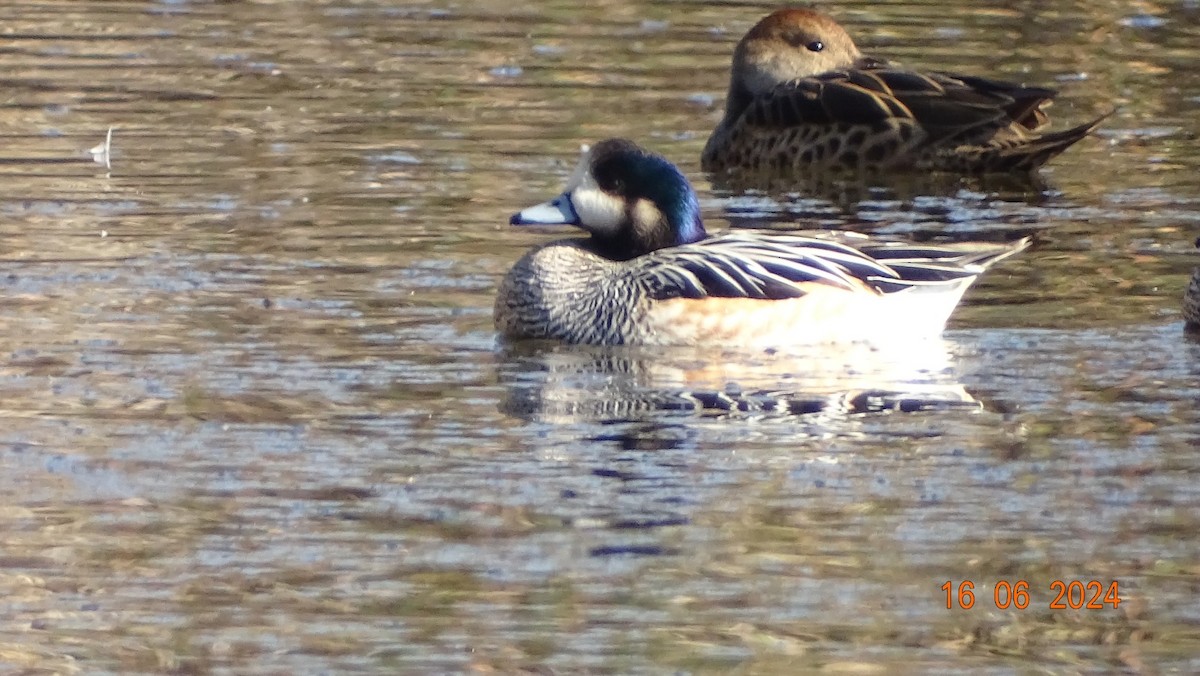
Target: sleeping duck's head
(630,200)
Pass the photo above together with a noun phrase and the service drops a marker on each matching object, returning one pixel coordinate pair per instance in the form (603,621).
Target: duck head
(630,200)
(785,45)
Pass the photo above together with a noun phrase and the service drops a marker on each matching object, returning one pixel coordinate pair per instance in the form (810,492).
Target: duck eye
(815,46)
(614,185)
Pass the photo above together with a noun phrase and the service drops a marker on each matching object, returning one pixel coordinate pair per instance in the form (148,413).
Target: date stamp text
(1062,594)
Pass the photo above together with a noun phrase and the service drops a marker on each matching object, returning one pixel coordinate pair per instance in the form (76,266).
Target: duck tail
(986,259)
(1030,156)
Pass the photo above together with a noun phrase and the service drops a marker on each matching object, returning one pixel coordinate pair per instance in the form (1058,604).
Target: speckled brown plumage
(803,99)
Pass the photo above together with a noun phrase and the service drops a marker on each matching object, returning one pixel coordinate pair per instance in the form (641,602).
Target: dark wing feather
(843,101)
(946,107)
(1020,103)
(1026,102)
(822,100)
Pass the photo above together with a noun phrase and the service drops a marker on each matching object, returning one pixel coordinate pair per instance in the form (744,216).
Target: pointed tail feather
(986,259)
(1040,150)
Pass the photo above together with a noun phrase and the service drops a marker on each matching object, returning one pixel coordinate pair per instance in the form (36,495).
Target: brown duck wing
(1023,104)
(820,101)
(944,107)
(950,108)
(954,110)
(1027,103)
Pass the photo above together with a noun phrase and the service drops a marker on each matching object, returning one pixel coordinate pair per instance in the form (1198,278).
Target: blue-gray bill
(558,211)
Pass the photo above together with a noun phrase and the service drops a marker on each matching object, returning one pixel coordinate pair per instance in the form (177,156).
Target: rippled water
(256,420)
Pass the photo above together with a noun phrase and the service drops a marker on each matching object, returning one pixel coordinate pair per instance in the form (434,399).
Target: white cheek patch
(644,212)
(598,211)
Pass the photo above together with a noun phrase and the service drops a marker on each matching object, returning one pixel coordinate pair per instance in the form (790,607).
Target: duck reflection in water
(550,382)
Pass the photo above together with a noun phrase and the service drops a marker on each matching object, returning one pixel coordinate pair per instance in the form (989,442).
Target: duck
(1191,300)
(803,99)
(648,273)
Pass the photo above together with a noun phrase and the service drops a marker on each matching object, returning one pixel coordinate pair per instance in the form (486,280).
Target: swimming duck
(1191,300)
(649,274)
(803,98)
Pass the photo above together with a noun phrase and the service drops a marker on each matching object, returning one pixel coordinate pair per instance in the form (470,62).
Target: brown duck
(802,98)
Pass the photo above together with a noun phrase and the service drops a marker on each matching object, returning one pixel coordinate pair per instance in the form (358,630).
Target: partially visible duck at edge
(1191,301)
(649,274)
(802,98)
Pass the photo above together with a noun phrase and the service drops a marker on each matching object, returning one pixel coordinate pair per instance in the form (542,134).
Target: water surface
(256,418)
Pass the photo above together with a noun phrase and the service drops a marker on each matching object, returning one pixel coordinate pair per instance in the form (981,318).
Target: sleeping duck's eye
(815,46)
(610,184)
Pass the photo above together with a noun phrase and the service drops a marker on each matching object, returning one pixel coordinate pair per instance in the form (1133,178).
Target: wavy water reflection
(568,384)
